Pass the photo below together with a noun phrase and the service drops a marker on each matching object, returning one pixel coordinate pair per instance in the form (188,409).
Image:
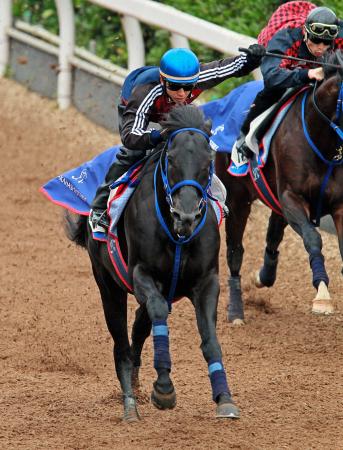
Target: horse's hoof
(325,307)
(322,304)
(130,410)
(256,280)
(163,401)
(227,411)
(237,322)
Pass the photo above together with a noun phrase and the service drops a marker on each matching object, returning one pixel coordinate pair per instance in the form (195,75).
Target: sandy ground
(58,388)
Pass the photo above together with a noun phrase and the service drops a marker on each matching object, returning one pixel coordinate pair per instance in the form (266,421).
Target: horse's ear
(208,126)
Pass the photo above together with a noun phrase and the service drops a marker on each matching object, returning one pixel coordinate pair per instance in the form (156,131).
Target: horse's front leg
(296,213)
(267,275)
(338,219)
(163,394)
(205,300)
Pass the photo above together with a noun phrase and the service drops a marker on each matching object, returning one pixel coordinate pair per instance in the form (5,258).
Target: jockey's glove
(155,137)
(256,52)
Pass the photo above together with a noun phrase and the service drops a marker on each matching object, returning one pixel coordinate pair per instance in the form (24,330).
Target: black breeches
(124,160)
(263,100)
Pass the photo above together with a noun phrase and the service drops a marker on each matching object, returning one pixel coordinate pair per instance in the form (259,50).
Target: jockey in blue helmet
(149,93)
(180,66)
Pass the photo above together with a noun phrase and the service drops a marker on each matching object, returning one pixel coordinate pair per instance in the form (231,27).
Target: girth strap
(262,187)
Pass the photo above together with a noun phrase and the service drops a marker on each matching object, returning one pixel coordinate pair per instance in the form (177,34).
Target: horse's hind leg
(267,275)
(140,332)
(239,210)
(114,301)
(297,217)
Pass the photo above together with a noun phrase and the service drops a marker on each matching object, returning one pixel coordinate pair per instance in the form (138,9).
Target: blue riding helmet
(180,65)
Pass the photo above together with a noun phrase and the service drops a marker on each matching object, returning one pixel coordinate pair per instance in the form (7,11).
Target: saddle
(260,125)
(267,126)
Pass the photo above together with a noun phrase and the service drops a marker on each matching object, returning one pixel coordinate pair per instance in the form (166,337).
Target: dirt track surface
(58,389)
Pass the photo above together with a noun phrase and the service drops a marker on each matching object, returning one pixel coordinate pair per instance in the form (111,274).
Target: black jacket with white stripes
(149,102)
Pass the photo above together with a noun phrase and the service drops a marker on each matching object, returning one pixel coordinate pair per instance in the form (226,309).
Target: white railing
(181,26)
(5,25)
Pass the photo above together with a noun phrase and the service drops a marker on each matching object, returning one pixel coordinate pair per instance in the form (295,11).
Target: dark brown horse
(305,172)
(172,241)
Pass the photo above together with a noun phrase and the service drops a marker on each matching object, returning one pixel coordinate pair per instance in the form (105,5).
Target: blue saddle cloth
(75,189)
(228,114)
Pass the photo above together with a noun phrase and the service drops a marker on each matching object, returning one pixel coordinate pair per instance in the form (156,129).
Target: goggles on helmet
(323,30)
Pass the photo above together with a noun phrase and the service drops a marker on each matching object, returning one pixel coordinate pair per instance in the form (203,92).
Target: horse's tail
(75,227)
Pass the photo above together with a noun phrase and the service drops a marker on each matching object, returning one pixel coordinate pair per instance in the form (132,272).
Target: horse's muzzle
(185,223)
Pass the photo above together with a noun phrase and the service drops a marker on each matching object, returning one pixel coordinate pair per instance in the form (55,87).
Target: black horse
(305,173)
(172,241)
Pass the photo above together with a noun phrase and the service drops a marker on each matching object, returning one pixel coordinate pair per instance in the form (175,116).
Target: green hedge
(100,28)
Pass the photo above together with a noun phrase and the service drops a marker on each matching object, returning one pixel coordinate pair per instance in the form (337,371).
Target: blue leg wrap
(161,345)
(318,270)
(218,379)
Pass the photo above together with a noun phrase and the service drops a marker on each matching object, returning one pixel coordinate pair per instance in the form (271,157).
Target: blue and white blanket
(75,189)
(228,114)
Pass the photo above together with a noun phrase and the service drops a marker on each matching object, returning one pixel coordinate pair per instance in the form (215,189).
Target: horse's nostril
(176,215)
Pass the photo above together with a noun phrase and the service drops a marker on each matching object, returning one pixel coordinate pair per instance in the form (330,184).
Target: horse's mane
(333,58)
(186,116)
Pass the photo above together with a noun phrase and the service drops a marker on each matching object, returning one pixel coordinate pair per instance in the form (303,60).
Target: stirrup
(98,221)
(244,150)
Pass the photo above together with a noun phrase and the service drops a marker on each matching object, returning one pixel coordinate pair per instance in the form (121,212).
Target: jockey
(320,33)
(148,94)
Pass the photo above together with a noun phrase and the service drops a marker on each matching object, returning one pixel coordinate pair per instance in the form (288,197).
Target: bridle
(170,190)
(162,167)
(337,126)
(164,174)
(337,123)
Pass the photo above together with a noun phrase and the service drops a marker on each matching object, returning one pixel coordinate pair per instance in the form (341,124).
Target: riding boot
(264,99)
(242,148)
(244,152)
(125,158)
